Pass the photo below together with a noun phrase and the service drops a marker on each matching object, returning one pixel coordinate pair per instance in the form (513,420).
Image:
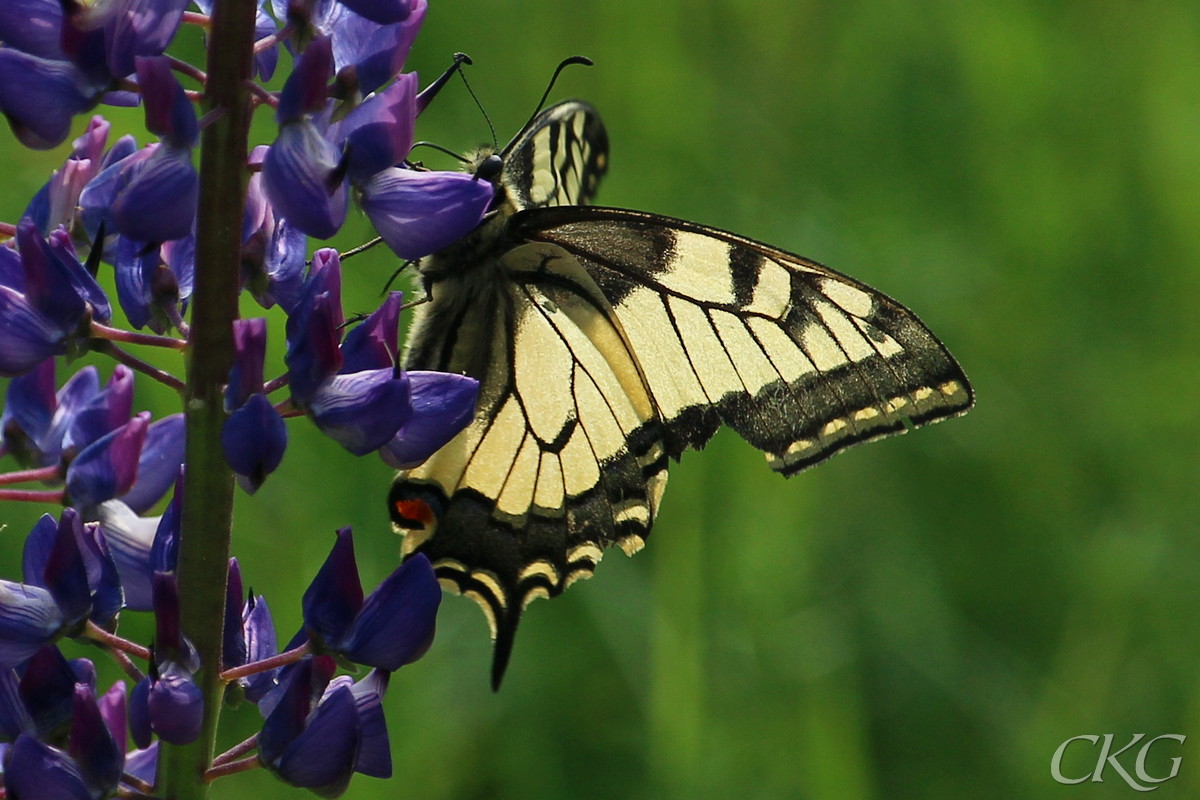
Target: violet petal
(418,213)
(443,404)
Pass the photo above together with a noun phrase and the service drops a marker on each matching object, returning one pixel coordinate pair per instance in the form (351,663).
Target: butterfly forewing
(607,341)
(798,359)
(558,160)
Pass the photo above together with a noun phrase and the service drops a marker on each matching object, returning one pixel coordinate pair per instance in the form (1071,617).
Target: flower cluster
(53,732)
(106,258)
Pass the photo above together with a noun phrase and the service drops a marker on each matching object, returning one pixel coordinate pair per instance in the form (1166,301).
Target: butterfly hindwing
(608,341)
(564,458)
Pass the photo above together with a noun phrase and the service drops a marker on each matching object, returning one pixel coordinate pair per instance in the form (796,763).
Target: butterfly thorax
(464,278)
(463,286)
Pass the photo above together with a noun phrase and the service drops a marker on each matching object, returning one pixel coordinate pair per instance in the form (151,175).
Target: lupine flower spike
(115,275)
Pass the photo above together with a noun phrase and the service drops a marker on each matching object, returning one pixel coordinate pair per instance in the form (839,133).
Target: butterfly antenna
(566,62)
(444,150)
(482,110)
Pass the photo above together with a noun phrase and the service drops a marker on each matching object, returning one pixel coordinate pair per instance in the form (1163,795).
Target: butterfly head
(557,159)
(487,165)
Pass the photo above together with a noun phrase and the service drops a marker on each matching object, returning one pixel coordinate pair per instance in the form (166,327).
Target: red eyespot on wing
(415,515)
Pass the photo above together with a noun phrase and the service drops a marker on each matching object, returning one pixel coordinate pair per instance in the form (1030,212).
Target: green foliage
(924,618)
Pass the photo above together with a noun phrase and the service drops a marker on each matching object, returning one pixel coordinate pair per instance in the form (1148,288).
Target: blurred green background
(928,617)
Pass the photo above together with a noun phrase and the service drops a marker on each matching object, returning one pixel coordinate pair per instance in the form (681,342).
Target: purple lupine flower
(164,552)
(373,344)
(57,202)
(379,131)
(97,195)
(47,692)
(442,405)
(32,26)
(141,546)
(41,428)
(56,63)
(90,767)
(258,630)
(381,12)
(102,413)
(303,172)
(274,251)
(254,439)
(130,539)
(418,213)
(72,561)
(374,754)
(233,646)
(108,467)
(363,409)
(308,167)
(141,732)
(46,304)
(246,374)
(33,769)
(52,560)
(142,764)
(29,619)
(254,436)
(27,429)
(249,636)
(92,744)
(367,54)
(312,347)
(265,60)
(156,198)
(137,463)
(137,28)
(114,708)
(62,249)
(175,704)
(320,731)
(158,464)
(154,282)
(112,705)
(168,702)
(149,197)
(41,96)
(392,627)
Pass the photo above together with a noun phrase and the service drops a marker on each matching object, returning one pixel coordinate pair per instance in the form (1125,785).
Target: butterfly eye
(489,169)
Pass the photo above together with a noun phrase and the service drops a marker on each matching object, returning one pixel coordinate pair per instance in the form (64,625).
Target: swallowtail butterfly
(607,342)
